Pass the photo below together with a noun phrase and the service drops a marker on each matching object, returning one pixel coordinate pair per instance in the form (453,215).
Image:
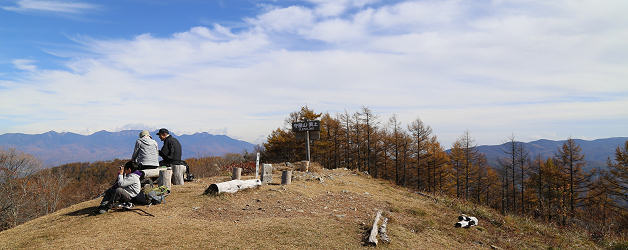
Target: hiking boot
(127,205)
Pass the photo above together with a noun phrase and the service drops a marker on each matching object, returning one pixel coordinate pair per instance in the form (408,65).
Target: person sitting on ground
(146,153)
(126,188)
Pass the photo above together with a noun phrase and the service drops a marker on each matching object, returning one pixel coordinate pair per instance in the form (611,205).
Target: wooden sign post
(304,128)
(257,166)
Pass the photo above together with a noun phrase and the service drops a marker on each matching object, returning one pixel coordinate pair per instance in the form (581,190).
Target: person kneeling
(126,188)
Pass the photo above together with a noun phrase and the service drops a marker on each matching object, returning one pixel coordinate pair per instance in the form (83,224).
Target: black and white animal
(466,221)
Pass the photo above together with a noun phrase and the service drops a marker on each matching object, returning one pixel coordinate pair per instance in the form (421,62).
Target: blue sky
(538,69)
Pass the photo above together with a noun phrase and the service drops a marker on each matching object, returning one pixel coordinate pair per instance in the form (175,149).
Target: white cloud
(25,64)
(333,8)
(491,67)
(290,19)
(69,7)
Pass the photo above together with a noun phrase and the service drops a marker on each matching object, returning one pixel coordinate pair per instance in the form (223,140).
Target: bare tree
(16,172)
(420,133)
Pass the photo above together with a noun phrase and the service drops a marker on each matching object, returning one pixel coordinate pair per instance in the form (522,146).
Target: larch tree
(421,134)
(572,160)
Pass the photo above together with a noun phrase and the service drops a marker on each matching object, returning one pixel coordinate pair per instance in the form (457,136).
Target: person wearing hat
(171,150)
(146,152)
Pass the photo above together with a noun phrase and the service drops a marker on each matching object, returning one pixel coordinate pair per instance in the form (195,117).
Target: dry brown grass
(332,214)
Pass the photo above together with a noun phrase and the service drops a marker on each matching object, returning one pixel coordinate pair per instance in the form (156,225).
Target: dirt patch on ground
(283,202)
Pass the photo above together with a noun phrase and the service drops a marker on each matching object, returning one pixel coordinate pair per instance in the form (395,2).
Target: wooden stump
(267,173)
(286,177)
(232,186)
(165,177)
(237,173)
(177,174)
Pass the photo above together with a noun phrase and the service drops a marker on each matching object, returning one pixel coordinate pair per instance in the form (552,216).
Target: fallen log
(232,186)
(466,221)
(373,236)
(151,173)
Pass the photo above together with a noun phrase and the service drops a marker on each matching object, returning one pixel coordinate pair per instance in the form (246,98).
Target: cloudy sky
(535,68)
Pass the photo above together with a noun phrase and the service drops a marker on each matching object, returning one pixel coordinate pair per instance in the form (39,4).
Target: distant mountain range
(54,148)
(595,152)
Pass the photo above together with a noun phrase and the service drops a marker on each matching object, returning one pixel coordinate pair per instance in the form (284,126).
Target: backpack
(156,195)
(150,194)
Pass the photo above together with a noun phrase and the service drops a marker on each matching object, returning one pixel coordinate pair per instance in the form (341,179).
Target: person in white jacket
(146,152)
(126,188)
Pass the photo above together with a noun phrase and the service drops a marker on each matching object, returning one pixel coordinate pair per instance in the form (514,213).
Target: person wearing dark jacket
(171,150)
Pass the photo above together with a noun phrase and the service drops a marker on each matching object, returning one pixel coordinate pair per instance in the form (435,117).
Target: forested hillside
(558,189)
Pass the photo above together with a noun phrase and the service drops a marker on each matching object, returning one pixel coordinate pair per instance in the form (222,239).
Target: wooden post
(232,186)
(373,236)
(286,177)
(177,174)
(257,166)
(267,173)
(236,174)
(307,144)
(165,176)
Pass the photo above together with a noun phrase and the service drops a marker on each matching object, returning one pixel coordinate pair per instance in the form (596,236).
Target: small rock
(300,211)
(325,207)
(196,208)
(258,200)
(345,191)
(288,210)
(494,247)
(366,193)
(340,215)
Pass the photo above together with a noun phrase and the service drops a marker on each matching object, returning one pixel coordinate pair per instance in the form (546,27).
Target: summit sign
(306,126)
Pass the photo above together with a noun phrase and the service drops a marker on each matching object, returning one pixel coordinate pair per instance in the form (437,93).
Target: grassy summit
(328,209)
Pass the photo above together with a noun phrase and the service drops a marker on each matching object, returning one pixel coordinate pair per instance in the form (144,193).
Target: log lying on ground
(373,236)
(151,173)
(232,186)
(466,221)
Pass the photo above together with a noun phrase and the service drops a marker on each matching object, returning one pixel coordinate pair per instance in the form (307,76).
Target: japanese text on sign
(306,126)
